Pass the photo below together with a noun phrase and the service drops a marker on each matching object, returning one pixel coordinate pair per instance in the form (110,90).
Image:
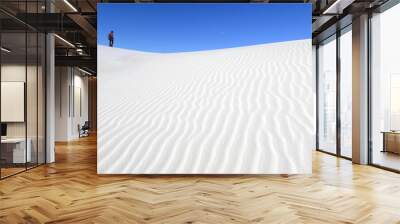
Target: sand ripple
(247,110)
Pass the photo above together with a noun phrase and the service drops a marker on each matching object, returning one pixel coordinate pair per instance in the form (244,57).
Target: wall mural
(205,89)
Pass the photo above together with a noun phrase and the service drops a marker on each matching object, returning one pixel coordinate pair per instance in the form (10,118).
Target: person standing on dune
(111,38)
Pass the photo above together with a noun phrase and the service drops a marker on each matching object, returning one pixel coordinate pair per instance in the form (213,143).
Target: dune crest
(246,110)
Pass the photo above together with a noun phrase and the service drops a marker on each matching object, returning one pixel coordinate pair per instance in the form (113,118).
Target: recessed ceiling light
(84,71)
(338,6)
(5,50)
(70,5)
(64,40)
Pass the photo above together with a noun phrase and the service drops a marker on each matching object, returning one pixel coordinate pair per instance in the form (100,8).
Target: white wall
(34,105)
(80,83)
(9,73)
(62,81)
(12,73)
(70,83)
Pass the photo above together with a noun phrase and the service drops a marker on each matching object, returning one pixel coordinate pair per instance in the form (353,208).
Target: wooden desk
(391,141)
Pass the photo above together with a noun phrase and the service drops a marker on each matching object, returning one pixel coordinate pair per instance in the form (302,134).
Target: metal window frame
(387,5)
(339,32)
(381,9)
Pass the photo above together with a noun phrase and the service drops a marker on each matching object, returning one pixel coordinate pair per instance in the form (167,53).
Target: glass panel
(31,86)
(31,100)
(385,84)
(327,96)
(346,93)
(41,98)
(23,90)
(13,88)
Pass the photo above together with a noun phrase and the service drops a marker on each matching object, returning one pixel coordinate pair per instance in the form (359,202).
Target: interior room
(385,89)
(22,101)
(67,152)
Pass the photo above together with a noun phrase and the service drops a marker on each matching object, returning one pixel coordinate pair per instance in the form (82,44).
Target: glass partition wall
(334,79)
(13,89)
(335,90)
(22,77)
(327,95)
(385,89)
(345,62)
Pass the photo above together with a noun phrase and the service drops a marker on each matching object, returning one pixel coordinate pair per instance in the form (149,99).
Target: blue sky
(194,27)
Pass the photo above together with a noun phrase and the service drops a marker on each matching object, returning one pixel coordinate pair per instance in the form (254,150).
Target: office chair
(84,130)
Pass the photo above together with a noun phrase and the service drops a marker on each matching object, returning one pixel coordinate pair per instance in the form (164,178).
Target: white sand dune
(246,110)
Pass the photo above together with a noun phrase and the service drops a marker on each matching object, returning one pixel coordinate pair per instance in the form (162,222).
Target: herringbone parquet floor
(70,191)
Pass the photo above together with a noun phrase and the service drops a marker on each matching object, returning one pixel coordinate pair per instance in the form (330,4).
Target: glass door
(346,92)
(327,95)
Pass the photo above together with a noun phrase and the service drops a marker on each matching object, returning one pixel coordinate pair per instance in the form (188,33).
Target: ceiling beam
(338,6)
(86,26)
(81,61)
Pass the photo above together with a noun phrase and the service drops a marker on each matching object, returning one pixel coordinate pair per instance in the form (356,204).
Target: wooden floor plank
(70,191)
